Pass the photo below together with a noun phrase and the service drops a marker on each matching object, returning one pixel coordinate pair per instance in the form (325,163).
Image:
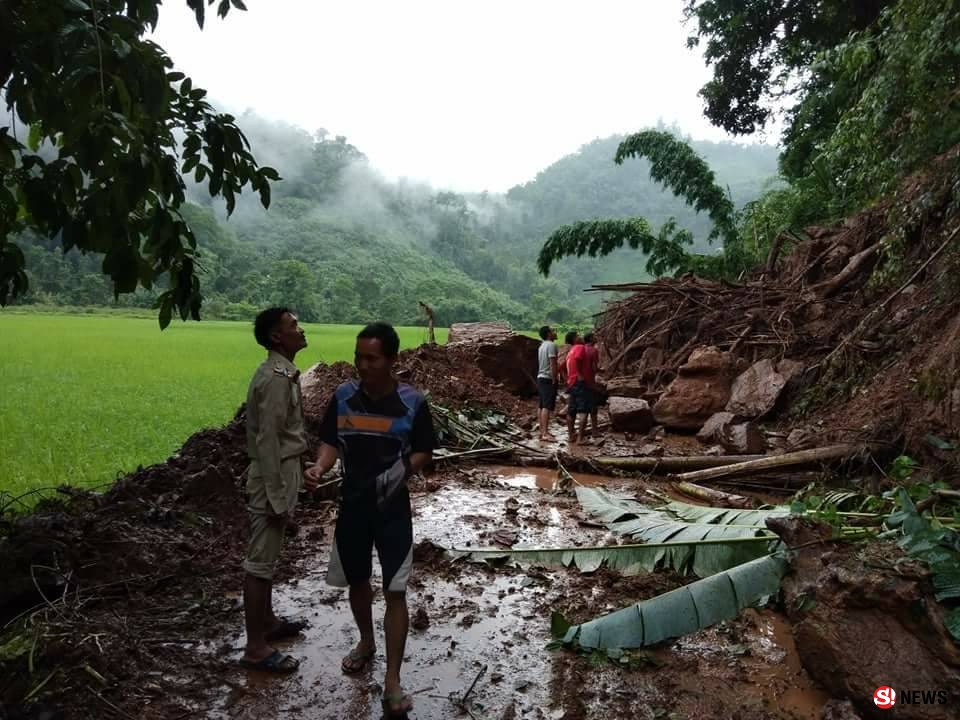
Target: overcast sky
(468,94)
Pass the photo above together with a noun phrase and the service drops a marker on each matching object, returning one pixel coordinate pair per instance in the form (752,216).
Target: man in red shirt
(591,366)
(578,400)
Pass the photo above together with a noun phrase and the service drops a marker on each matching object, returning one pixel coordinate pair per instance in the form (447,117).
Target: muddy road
(470,619)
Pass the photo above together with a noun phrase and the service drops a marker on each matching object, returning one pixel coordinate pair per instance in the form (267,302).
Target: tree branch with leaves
(112,130)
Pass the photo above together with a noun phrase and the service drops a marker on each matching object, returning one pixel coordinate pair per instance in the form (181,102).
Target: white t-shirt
(548,349)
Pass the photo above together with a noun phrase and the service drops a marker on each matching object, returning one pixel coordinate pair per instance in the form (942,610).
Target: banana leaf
(724,516)
(635,559)
(686,609)
(627,517)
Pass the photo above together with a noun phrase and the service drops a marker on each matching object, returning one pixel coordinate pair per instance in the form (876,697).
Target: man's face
(553,335)
(372,365)
(289,336)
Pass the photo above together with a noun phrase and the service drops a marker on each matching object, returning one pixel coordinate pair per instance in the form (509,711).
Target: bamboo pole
(762,465)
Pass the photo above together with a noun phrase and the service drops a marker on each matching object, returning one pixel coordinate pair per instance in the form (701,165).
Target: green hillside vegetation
(343,245)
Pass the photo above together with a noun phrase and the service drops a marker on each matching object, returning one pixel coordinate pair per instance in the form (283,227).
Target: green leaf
(725,516)
(686,609)
(703,557)
(627,517)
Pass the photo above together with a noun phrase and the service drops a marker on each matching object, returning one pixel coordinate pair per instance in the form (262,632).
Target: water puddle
(536,478)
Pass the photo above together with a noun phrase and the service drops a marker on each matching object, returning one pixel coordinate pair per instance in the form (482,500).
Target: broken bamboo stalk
(762,465)
(716,498)
(478,452)
(671,464)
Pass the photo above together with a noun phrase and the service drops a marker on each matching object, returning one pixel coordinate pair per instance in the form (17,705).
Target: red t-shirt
(575,363)
(590,363)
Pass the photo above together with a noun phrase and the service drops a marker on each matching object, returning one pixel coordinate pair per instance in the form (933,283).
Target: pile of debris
(825,325)
(483,366)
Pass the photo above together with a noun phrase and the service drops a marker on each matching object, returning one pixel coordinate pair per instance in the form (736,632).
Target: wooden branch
(716,498)
(671,464)
(763,465)
(853,266)
(879,309)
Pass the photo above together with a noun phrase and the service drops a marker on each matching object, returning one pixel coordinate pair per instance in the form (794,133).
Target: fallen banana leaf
(686,609)
(633,559)
(724,516)
(628,517)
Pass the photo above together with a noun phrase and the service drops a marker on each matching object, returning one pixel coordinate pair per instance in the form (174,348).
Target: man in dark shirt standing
(382,431)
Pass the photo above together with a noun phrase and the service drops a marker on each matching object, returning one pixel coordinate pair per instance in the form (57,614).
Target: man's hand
(312,477)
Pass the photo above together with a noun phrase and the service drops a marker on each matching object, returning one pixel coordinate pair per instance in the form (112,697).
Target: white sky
(468,94)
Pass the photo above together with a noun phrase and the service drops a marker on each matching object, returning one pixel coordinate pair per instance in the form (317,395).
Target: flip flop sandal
(277,663)
(286,629)
(396,704)
(355,661)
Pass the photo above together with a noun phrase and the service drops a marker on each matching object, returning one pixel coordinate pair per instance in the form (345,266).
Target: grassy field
(85,398)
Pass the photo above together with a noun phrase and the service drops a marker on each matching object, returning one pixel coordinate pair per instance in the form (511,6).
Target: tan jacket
(275,431)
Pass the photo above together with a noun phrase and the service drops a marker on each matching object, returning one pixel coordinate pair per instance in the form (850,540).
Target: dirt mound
(870,307)
(859,622)
(450,374)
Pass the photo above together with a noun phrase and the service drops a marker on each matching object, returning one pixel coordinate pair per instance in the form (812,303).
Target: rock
(420,619)
(711,428)
(840,710)
(630,414)
(737,438)
(864,621)
(627,386)
(706,361)
(501,354)
(756,391)
(743,439)
(701,389)
(512,361)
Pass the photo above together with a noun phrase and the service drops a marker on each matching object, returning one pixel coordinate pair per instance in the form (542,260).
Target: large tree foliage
(675,164)
(875,106)
(759,47)
(111,128)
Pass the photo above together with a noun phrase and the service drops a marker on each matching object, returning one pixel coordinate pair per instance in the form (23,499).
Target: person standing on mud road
(382,431)
(591,366)
(578,401)
(548,375)
(276,442)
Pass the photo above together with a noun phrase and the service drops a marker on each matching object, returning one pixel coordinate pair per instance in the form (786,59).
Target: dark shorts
(548,393)
(360,528)
(581,400)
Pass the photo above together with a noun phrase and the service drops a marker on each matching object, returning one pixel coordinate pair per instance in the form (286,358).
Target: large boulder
(756,391)
(501,354)
(867,617)
(626,387)
(702,388)
(630,414)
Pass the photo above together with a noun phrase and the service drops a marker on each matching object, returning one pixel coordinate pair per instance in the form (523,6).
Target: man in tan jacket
(276,441)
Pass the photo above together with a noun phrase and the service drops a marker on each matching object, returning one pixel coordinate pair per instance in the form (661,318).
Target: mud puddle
(467,616)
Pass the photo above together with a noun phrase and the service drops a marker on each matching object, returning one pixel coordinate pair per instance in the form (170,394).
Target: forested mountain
(343,244)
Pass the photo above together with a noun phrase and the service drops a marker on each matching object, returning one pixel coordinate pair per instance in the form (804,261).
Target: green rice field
(84,399)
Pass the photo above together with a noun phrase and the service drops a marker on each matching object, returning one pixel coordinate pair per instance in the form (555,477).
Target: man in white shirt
(547,379)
